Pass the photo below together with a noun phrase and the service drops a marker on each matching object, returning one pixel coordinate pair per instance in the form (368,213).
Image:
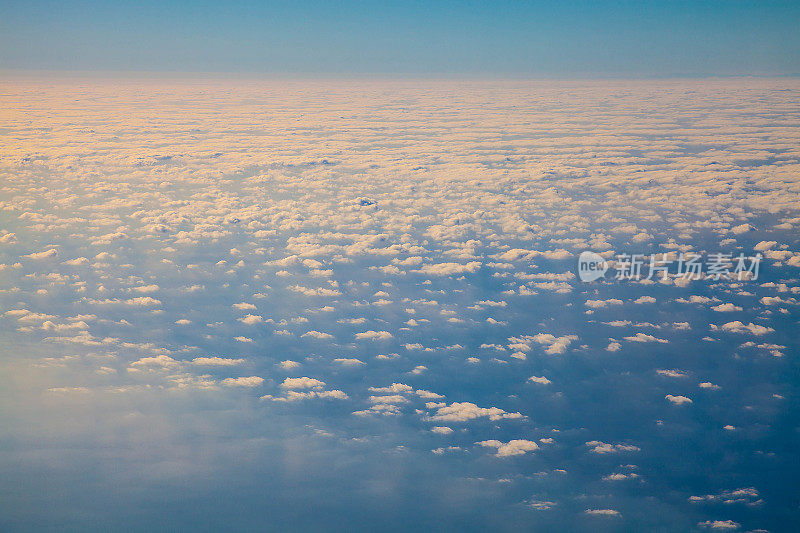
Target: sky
(432,38)
(325,267)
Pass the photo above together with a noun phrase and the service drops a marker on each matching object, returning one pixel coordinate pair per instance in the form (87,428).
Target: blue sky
(544,39)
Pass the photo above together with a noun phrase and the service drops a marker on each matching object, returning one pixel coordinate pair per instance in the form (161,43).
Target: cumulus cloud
(719,525)
(510,448)
(739,327)
(603,447)
(317,335)
(554,345)
(603,512)
(249,381)
(447,269)
(251,319)
(374,335)
(599,304)
(302,383)
(45,254)
(644,337)
(216,361)
(463,411)
(678,400)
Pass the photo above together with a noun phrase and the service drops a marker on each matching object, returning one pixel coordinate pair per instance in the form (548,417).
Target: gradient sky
(597,38)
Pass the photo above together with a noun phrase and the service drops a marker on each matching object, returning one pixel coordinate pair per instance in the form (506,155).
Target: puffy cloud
(619,476)
(78,261)
(603,512)
(143,301)
(251,319)
(643,337)
(345,361)
(249,381)
(555,345)
(739,327)
(447,269)
(159,361)
(374,335)
(678,400)
(742,228)
(393,388)
(318,291)
(599,304)
(726,308)
(293,396)
(302,383)
(45,254)
(463,411)
(671,373)
(317,335)
(428,395)
(510,448)
(765,245)
(747,496)
(216,361)
(603,447)
(540,380)
(719,525)
(146,288)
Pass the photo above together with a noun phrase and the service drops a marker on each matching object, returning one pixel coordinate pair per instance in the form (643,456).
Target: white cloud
(678,400)
(447,269)
(510,448)
(643,337)
(602,512)
(317,335)
(344,361)
(463,411)
(374,335)
(726,308)
(603,447)
(555,345)
(599,304)
(302,383)
(216,361)
(720,525)
(46,254)
(250,381)
(739,327)
(251,319)
(671,373)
